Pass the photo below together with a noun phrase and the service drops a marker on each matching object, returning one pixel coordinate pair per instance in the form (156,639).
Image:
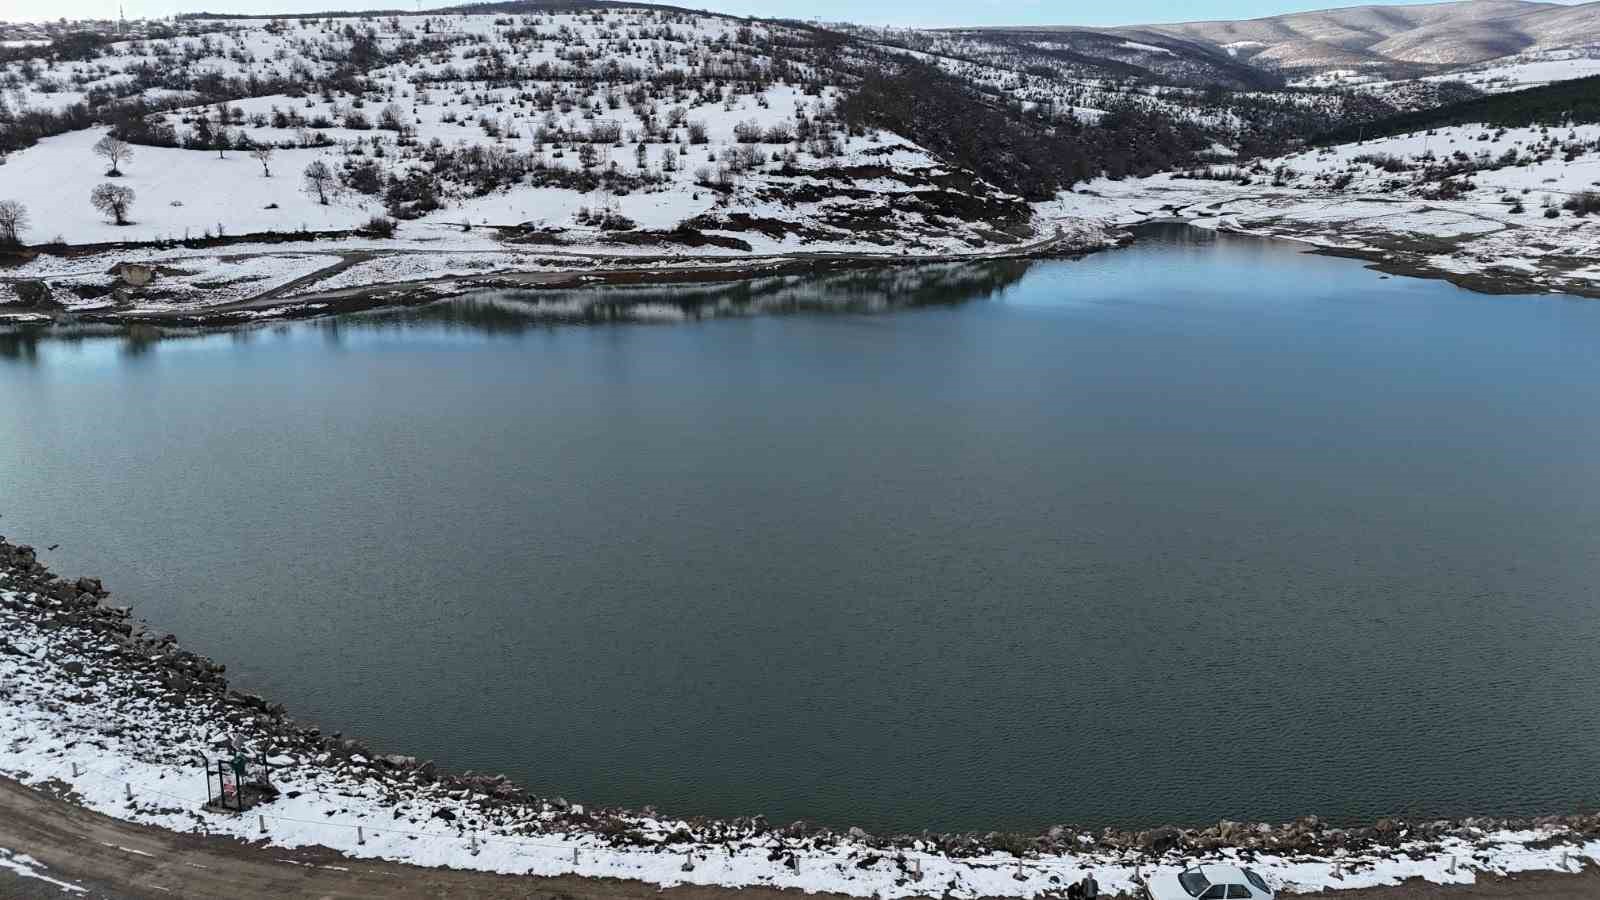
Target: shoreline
(110,716)
(529,267)
(279,305)
(1392,255)
(49,841)
(1382,259)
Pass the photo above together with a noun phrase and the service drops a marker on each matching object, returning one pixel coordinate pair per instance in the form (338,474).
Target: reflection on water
(857,291)
(869,290)
(21,343)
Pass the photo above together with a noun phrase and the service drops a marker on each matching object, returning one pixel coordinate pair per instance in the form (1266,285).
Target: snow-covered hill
(1435,34)
(617,132)
(593,123)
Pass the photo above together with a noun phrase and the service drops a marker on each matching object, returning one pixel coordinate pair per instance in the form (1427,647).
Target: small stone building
(134,274)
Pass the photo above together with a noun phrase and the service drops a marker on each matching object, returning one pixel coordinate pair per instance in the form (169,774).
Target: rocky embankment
(85,688)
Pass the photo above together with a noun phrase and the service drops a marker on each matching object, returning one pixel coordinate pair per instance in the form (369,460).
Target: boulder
(248,701)
(34,294)
(1160,840)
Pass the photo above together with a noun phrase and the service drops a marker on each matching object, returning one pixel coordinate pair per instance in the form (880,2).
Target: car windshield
(1193,882)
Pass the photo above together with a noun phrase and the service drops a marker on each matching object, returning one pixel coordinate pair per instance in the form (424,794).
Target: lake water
(1204,528)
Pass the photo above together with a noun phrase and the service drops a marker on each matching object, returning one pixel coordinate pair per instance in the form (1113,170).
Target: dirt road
(102,857)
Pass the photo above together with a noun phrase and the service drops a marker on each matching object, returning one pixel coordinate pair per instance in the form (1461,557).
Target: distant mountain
(1114,54)
(1437,34)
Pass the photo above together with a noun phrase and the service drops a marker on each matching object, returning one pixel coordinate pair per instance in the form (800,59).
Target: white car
(1209,882)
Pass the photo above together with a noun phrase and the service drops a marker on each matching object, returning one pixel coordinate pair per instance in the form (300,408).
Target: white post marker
(574,857)
(263,821)
(688,861)
(1019,876)
(361,836)
(74,770)
(128,789)
(916,868)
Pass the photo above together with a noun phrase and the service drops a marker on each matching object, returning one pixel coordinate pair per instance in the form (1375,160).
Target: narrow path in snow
(346,260)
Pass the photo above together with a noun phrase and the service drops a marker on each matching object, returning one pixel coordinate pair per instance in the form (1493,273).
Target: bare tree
(393,118)
(113,200)
(319,180)
(115,151)
(262,153)
(13,221)
(224,140)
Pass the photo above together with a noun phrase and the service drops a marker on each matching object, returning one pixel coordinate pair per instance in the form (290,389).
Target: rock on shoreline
(70,657)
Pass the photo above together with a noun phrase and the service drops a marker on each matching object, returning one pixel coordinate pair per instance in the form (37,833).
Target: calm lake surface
(1205,528)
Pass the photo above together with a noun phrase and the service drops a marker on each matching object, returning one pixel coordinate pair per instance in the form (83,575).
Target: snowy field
(1520,73)
(182,194)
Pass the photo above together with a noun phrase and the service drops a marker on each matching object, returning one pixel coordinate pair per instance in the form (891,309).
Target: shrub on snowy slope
(1023,154)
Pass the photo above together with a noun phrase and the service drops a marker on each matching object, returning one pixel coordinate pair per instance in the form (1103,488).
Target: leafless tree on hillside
(113,200)
(319,180)
(262,153)
(115,152)
(13,221)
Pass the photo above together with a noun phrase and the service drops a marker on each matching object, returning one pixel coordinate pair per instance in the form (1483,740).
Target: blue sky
(882,12)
